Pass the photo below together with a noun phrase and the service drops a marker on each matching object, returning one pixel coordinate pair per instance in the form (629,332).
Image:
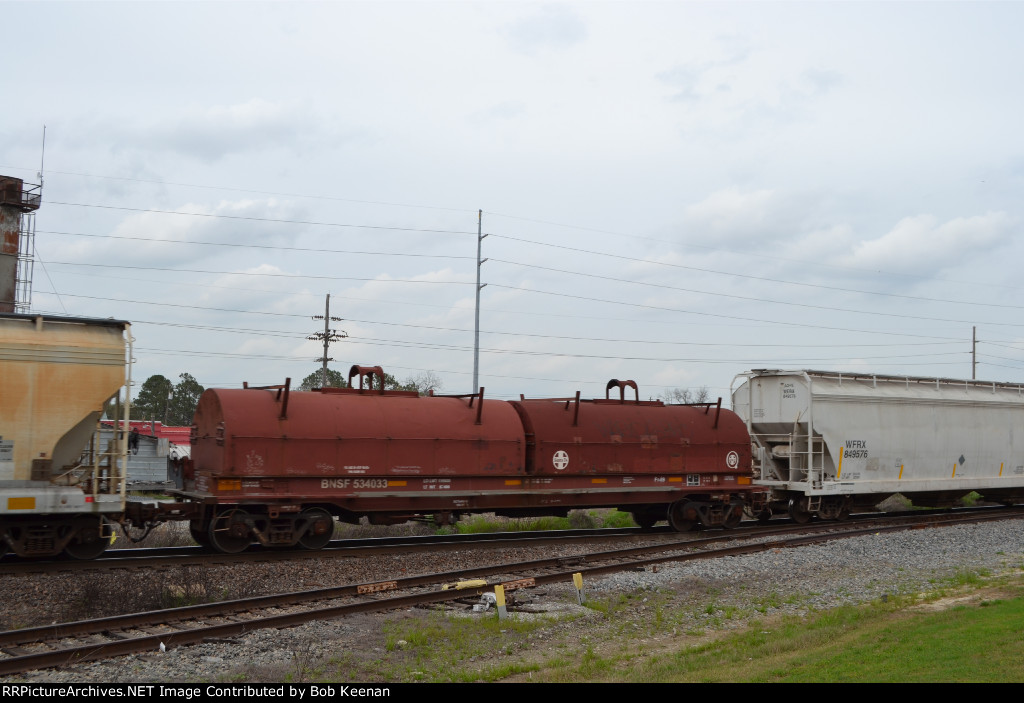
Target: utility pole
(167,405)
(328,336)
(476,336)
(974,351)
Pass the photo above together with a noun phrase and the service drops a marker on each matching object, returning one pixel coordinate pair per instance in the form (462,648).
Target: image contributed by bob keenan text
(195,691)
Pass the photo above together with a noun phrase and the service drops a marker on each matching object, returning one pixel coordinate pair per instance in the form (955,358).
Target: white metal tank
(826,441)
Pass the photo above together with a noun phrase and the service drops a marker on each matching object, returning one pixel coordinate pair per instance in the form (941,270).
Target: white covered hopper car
(828,442)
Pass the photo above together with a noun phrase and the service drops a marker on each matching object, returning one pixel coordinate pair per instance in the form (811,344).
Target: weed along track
(89,640)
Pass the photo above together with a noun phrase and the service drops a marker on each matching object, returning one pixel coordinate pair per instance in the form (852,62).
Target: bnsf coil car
(277,466)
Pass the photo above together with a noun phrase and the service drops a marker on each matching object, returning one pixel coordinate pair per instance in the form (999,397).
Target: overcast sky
(672,192)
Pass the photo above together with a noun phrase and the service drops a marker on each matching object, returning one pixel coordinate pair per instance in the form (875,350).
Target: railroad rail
(137,558)
(182,556)
(90,640)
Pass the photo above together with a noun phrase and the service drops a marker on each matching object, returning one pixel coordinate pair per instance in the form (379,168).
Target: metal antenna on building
(328,336)
(42,158)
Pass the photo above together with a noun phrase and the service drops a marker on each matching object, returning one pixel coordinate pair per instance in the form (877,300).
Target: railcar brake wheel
(91,539)
(320,528)
(229,531)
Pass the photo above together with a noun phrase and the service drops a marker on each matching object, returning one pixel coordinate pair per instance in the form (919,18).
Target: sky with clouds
(672,192)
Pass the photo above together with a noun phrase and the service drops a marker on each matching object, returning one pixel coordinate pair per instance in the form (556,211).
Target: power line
(795,324)
(734,274)
(248,218)
(439,346)
(742,297)
(726,317)
(258,273)
(521,218)
(531,290)
(259,246)
(299,335)
(576,273)
(758,255)
(250,190)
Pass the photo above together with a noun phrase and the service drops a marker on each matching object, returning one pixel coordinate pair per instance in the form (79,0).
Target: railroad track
(183,556)
(90,640)
(139,558)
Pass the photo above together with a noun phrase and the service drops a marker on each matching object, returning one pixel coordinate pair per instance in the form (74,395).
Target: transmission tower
(328,337)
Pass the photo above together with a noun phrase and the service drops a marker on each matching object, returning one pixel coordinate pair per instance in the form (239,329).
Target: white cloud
(922,244)
(555,27)
(220,130)
(730,216)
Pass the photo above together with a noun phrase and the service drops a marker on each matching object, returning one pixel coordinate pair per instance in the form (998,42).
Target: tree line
(162,400)
(423,383)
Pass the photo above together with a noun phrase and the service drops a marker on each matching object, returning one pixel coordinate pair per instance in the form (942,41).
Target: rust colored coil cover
(613,437)
(241,433)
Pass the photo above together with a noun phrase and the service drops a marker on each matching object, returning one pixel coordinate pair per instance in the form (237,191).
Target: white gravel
(781,581)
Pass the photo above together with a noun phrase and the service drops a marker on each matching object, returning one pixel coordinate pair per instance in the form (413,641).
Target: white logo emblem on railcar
(732,460)
(560,460)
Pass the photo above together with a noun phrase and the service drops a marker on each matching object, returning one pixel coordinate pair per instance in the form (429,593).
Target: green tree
(422,384)
(315,380)
(152,401)
(172,404)
(391,384)
(184,401)
(113,409)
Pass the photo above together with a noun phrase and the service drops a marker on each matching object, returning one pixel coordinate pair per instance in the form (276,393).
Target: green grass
(964,644)
(971,499)
(475,524)
(646,637)
(443,649)
(881,642)
(577,519)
